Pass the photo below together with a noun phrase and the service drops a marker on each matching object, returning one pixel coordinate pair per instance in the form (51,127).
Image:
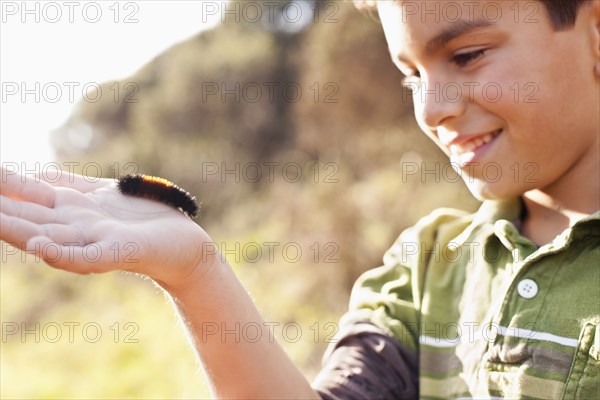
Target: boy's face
(513,102)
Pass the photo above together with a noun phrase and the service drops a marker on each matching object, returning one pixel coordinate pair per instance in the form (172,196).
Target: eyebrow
(455,30)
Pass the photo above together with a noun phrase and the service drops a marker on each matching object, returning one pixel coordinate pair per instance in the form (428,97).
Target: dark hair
(562,13)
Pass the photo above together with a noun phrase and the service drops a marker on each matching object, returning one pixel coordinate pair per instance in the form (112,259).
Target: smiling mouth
(472,145)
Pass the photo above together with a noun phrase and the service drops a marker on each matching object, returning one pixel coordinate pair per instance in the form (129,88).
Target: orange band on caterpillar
(163,190)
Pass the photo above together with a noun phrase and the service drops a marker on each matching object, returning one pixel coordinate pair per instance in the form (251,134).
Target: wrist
(203,279)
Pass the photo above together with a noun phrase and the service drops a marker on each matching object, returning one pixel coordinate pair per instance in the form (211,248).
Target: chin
(483,190)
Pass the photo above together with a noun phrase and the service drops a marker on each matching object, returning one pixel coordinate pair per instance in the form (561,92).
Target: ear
(593,10)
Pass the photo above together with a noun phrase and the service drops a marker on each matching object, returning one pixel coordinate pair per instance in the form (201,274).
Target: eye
(464,59)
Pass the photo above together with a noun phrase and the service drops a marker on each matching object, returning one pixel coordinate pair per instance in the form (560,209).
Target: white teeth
(474,144)
(469,146)
(454,149)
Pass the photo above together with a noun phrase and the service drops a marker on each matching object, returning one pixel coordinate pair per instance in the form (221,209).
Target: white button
(527,288)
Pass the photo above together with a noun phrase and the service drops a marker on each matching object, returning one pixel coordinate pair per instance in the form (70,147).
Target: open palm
(85,225)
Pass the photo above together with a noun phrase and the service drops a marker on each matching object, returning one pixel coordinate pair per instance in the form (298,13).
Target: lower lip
(472,157)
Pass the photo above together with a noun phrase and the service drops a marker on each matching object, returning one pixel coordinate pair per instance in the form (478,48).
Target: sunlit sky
(48,54)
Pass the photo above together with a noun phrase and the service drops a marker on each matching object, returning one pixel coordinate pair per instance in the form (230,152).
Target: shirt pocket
(583,381)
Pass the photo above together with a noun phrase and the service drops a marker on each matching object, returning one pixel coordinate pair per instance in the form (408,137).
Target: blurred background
(285,118)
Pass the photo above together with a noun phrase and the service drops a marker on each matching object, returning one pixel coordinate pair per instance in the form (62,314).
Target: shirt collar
(510,211)
(503,218)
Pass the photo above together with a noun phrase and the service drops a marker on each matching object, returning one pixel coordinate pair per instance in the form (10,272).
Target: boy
(504,302)
(474,304)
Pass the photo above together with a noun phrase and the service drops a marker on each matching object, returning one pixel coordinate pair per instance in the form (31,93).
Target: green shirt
(488,313)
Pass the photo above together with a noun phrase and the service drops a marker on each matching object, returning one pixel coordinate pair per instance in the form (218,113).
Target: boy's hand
(85,225)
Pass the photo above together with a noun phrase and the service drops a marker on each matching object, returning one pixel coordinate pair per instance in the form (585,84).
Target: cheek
(538,101)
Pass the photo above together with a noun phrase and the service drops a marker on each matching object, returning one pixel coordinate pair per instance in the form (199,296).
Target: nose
(437,101)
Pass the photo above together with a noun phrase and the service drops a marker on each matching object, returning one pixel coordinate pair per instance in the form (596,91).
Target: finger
(30,189)
(18,231)
(30,211)
(81,183)
(20,186)
(90,258)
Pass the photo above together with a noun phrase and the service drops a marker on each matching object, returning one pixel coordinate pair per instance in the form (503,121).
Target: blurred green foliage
(351,135)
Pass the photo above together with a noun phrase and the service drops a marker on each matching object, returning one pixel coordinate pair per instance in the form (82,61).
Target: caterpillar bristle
(163,190)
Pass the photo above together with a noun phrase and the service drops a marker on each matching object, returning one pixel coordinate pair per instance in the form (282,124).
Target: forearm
(213,302)
(76,216)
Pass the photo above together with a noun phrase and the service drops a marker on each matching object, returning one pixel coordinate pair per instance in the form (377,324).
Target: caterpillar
(163,190)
